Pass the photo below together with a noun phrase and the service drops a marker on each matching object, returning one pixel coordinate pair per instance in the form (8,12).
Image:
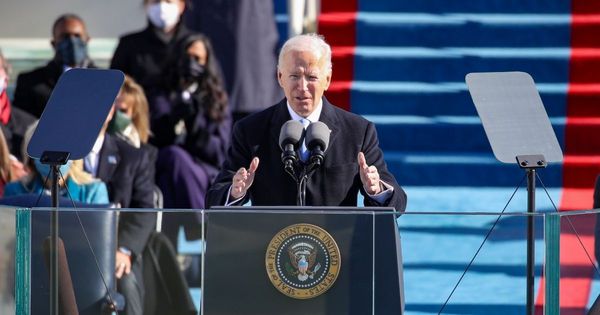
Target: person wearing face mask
(131,121)
(13,121)
(142,54)
(191,125)
(81,186)
(128,174)
(69,41)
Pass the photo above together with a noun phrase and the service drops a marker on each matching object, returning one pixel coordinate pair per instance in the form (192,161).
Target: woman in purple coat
(191,125)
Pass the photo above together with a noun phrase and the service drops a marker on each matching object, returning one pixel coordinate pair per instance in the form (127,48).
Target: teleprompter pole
(54,159)
(530,163)
(54,242)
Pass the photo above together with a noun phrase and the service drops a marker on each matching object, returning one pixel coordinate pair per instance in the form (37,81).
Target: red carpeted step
(585,61)
(339,93)
(340,26)
(580,136)
(337,22)
(579,171)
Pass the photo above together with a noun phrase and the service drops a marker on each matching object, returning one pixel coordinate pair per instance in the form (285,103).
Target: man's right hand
(242,180)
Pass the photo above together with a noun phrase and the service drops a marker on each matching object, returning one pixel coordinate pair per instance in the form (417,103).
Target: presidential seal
(303,261)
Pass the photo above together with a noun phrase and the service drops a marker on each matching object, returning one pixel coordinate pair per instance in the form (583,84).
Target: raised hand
(242,180)
(369,176)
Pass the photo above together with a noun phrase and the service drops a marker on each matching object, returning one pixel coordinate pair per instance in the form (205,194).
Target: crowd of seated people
(169,130)
(172,98)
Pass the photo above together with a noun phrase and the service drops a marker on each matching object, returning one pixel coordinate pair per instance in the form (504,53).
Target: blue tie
(303,150)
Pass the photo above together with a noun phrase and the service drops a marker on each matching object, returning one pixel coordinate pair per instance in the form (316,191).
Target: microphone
(289,136)
(317,140)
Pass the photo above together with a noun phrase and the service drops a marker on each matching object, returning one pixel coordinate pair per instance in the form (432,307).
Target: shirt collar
(313,117)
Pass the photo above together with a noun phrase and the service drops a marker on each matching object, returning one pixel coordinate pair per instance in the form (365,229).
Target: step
(450,64)
(583,100)
(428,99)
(474,199)
(440,134)
(580,171)
(453,98)
(462,29)
(445,6)
(461,169)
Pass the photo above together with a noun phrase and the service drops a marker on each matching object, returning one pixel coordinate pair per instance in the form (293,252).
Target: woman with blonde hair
(131,121)
(81,186)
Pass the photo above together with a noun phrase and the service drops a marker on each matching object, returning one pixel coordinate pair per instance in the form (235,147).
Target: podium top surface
(75,112)
(513,116)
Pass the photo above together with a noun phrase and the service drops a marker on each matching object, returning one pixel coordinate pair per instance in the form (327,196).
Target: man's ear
(328,80)
(279,76)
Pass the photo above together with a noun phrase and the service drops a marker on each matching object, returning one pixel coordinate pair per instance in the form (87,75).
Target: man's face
(304,78)
(70,27)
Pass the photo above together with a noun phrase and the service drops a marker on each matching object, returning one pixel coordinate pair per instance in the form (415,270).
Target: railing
(453,262)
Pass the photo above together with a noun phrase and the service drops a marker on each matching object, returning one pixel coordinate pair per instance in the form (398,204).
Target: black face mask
(72,51)
(192,70)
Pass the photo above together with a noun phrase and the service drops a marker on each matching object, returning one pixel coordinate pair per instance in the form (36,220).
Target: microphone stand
(307,171)
(301,173)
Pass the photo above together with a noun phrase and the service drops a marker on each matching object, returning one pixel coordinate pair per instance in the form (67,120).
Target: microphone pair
(316,137)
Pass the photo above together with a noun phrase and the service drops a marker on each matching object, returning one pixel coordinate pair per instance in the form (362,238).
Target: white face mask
(2,84)
(163,15)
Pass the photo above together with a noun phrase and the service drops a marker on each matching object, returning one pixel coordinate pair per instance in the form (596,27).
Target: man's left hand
(369,176)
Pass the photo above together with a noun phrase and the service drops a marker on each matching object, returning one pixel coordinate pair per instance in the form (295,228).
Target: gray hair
(307,42)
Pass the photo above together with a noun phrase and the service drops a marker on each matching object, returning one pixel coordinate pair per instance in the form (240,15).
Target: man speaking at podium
(338,150)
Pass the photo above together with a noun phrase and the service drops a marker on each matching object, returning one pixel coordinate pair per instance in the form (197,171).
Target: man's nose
(303,84)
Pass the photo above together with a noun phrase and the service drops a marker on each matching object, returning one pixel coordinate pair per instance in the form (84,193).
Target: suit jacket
(335,183)
(34,88)
(127,174)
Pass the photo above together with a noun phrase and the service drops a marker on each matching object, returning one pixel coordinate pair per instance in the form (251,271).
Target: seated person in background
(353,161)
(13,120)
(127,171)
(81,186)
(6,170)
(131,121)
(143,55)
(191,125)
(69,40)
